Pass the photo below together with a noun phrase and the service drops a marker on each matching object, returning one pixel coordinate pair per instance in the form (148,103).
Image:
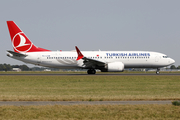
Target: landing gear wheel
(91,71)
(157,72)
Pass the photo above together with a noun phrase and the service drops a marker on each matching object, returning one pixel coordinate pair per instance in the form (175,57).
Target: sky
(110,25)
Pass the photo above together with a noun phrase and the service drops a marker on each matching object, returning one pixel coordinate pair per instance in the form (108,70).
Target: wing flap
(92,61)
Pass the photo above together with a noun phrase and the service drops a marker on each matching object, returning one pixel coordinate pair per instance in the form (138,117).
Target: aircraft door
(156,59)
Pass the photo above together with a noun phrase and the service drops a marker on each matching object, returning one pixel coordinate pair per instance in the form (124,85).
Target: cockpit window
(165,56)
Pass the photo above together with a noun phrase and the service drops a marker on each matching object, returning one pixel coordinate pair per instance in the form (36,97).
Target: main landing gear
(157,72)
(91,71)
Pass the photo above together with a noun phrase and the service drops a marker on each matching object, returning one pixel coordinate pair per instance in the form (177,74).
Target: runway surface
(99,74)
(37,103)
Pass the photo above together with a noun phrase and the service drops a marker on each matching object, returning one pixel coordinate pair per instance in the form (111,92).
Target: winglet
(80,55)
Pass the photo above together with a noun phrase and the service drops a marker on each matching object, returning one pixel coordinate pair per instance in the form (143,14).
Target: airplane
(105,61)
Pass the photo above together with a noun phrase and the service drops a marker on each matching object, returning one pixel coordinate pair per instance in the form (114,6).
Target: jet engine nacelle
(115,67)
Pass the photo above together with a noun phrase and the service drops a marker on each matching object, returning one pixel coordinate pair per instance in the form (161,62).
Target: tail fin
(19,40)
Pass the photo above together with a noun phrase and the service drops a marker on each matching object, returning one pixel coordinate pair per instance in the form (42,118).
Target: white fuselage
(67,59)
(106,61)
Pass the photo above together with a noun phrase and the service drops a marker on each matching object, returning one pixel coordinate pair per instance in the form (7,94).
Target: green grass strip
(89,88)
(88,112)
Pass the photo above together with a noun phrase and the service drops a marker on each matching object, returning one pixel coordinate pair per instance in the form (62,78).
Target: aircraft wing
(16,54)
(88,62)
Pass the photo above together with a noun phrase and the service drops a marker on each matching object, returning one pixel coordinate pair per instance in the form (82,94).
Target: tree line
(8,67)
(174,67)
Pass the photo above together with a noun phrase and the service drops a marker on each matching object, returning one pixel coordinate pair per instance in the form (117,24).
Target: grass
(176,103)
(87,112)
(89,88)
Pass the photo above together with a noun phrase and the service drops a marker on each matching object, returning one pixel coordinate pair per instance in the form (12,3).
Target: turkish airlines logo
(21,43)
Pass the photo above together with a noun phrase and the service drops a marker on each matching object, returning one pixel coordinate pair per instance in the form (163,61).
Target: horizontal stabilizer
(16,54)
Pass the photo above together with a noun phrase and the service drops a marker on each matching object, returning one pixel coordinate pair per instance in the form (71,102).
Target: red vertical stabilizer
(19,40)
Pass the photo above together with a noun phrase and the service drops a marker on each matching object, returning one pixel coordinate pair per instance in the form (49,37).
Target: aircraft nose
(172,61)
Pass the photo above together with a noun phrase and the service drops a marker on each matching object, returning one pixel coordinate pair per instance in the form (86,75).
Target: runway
(37,103)
(98,74)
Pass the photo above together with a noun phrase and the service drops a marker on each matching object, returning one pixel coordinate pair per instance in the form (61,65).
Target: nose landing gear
(157,72)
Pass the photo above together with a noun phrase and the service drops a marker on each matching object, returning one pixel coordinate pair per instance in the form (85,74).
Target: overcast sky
(146,25)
